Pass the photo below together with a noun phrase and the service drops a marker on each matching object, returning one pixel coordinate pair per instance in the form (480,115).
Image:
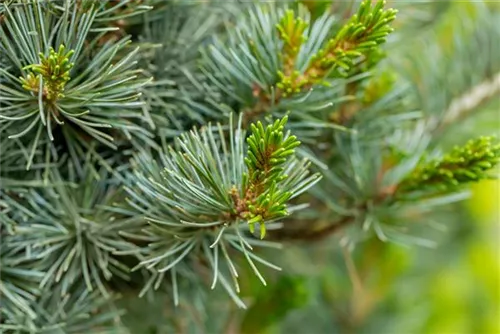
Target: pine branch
(78,94)
(181,95)
(293,58)
(358,37)
(66,313)
(397,185)
(19,279)
(262,199)
(73,231)
(199,194)
(462,107)
(470,163)
(102,189)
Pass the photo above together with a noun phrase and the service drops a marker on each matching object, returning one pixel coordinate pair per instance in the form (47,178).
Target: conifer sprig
(361,34)
(202,191)
(278,58)
(357,38)
(378,197)
(72,233)
(268,150)
(53,71)
(71,96)
(464,164)
(291,32)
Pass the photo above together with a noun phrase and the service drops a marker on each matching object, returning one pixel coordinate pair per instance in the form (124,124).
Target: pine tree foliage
(274,60)
(199,196)
(18,280)
(161,148)
(71,233)
(262,198)
(73,313)
(41,80)
(180,94)
(462,165)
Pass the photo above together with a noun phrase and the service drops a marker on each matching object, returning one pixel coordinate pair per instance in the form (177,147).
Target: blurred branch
(328,230)
(361,299)
(357,285)
(308,235)
(463,106)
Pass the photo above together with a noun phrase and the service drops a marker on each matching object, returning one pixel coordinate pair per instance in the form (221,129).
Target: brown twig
(307,235)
